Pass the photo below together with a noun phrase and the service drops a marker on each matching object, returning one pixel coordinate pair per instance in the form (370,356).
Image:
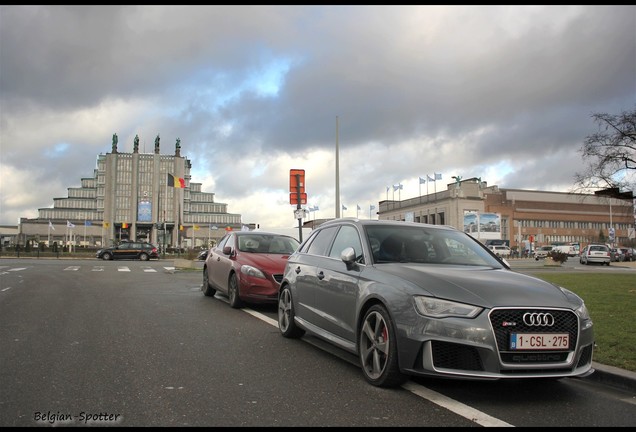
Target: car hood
(482,286)
(272,263)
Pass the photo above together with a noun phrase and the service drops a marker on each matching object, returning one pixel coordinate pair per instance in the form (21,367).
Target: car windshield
(426,245)
(267,243)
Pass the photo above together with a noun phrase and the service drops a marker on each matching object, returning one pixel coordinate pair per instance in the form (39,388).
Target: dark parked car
(129,250)
(247,266)
(628,254)
(203,254)
(430,300)
(617,255)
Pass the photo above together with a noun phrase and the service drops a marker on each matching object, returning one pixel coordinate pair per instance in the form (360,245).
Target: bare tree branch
(610,153)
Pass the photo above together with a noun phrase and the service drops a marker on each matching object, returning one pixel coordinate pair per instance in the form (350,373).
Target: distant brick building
(523,215)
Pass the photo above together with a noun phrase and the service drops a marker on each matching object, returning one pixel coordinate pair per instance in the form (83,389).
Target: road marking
(98,268)
(123,269)
(7,288)
(149,270)
(452,405)
(17,269)
(72,268)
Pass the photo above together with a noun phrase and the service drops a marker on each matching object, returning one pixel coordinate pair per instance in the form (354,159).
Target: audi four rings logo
(538,319)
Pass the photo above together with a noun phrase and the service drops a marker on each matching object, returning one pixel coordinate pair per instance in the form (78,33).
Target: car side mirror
(227,250)
(348,256)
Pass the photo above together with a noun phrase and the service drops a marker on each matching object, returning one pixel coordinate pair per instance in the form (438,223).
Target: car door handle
(297,270)
(218,258)
(321,275)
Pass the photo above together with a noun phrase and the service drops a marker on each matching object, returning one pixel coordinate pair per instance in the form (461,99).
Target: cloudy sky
(505,93)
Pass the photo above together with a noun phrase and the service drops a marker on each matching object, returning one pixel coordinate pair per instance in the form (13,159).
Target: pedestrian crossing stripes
(96,268)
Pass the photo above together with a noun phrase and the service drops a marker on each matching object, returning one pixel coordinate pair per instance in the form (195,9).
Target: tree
(610,153)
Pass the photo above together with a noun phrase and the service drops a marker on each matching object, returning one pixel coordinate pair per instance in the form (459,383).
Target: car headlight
(252,271)
(581,311)
(438,308)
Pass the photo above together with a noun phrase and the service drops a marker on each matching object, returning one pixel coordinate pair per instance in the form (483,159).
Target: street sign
(293,198)
(296,180)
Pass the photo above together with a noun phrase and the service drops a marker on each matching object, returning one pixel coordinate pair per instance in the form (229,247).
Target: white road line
(459,408)
(7,288)
(72,268)
(98,268)
(123,269)
(150,270)
(17,269)
(452,405)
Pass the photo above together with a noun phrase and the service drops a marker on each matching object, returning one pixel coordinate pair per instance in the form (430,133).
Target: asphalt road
(137,344)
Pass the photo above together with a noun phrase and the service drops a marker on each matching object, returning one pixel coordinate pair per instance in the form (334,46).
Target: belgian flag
(176,182)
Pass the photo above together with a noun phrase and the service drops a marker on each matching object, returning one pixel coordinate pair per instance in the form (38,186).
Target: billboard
(144,211)
(482,226)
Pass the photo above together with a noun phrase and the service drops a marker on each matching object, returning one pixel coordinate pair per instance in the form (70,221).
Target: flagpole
(49,240)
(164,217)
(84,232)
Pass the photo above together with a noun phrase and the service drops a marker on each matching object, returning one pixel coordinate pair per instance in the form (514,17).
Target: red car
(247,266)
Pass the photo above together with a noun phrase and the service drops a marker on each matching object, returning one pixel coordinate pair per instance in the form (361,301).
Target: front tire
(233,293)
(107,256)
(208,291)
(286,324)
(144,256)
(377,348)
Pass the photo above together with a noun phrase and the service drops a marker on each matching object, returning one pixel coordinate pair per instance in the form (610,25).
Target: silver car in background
(595,253)
(430,300)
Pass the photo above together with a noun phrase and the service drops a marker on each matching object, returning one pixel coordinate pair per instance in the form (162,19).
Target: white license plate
(539,341)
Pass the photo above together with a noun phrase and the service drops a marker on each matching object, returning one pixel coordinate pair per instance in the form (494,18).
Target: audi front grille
(507,321)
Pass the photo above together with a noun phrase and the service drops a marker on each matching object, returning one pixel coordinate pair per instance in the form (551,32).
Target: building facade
(128,197)
(521,217)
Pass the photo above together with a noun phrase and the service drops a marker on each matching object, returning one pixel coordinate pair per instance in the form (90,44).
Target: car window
(222,242)
(347,237)
(280,244)
(321,242)
(427,245)
(249,243)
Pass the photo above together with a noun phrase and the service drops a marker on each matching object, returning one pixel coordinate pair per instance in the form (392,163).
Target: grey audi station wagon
(430,300)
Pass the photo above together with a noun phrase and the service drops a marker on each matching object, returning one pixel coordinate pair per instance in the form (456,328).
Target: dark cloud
(253,91)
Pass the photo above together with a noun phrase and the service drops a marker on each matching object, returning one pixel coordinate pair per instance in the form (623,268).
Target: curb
(614,377)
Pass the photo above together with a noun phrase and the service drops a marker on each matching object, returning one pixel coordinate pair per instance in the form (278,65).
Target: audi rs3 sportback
(430,300)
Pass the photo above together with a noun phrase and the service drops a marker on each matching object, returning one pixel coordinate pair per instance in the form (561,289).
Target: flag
(124,225)
(371,207)
(429,178)
(176,182)
(387,188)
(180,227)
(51,226)
(105,224)
(343,207)
(359,207)
(69,225)
(399,186)
(88,223)
(438,176)
(196,227)
(422,180)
